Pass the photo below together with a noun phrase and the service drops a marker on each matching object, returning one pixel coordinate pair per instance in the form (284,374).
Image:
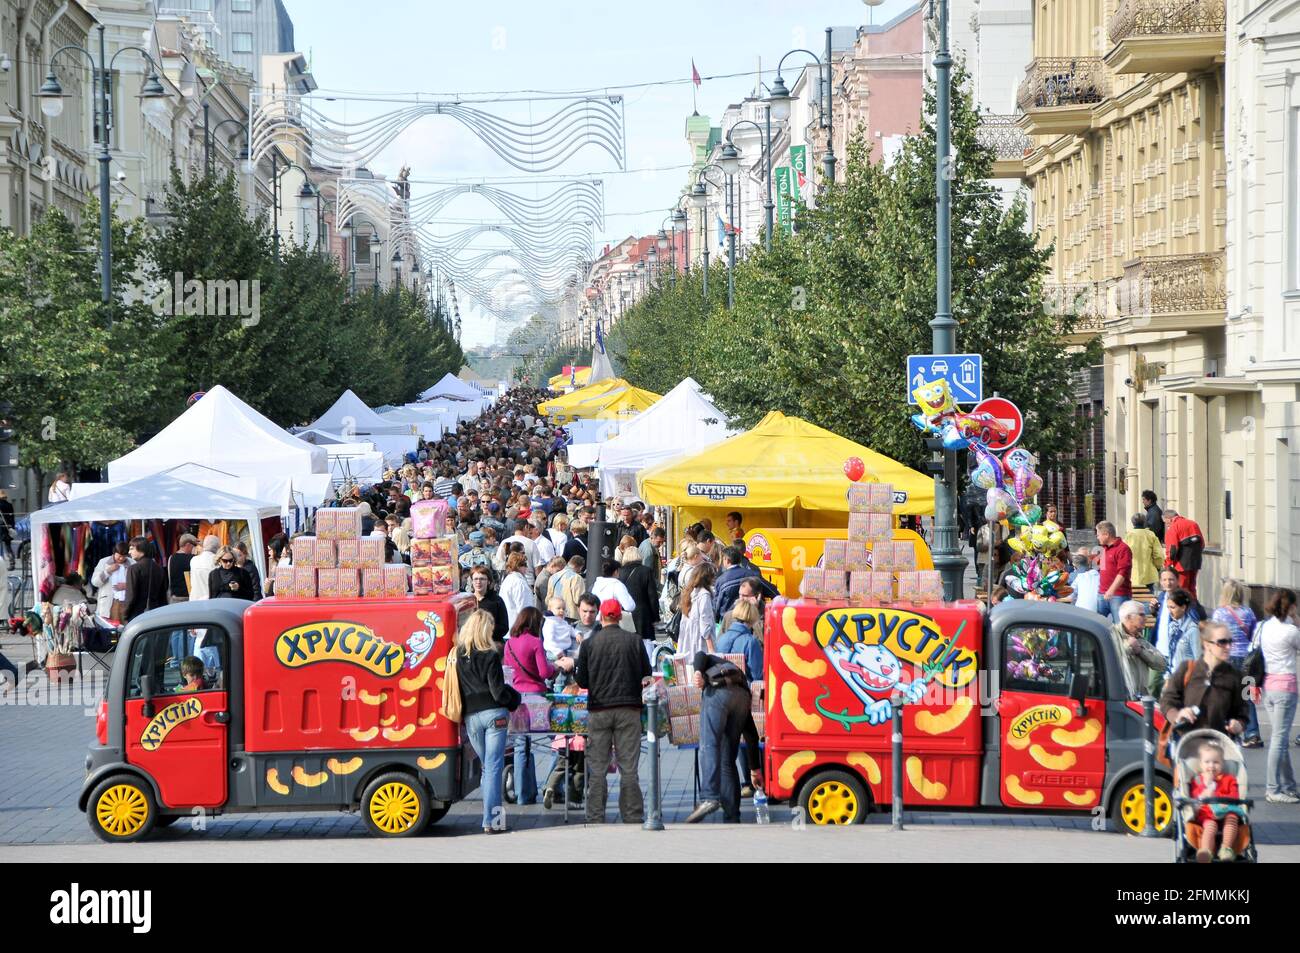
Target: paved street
(42,747)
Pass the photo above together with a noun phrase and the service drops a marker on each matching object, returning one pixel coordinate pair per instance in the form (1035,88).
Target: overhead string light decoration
(281,118)
(573,200)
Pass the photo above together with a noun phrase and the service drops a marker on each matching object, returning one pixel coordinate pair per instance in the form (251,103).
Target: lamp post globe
(51,96)
(779,99)
(729,159)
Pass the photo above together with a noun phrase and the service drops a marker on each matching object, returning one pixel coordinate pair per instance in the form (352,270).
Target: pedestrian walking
(1148,554)
(724,707)
(1116,568)
(1279,643)
(613,666)
(486,704)
(1184,548)
(1234,612)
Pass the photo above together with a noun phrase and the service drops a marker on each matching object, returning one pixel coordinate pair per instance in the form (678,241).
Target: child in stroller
(1209,781)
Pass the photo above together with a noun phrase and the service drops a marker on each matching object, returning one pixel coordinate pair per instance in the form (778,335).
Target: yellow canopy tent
(784,472)
(561,405)
(580,378)
(618,404)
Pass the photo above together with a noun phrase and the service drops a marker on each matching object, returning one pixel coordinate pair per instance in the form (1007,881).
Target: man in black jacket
(146,581)
(613,667)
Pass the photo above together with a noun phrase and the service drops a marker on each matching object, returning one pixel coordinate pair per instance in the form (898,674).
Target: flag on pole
(573,375)
(695,74)
(600,337)
(722,232)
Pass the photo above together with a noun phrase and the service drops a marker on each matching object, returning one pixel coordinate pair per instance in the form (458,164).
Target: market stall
(785,472)
(454,388)
(158,506)
(684,421)
(570,376)
(351,416)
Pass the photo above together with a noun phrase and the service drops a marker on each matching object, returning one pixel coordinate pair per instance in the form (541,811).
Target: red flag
(695,74)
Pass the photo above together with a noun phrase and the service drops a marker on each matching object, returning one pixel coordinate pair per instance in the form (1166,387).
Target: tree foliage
(83,391)
(823,323)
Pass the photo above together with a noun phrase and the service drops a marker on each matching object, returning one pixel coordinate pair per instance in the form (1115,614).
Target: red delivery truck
(1025,711)
(303,705)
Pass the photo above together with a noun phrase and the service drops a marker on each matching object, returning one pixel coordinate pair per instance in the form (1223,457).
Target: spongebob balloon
(939,414)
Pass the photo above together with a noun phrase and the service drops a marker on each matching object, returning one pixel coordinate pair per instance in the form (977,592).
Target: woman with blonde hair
(486,704)
(1235,612)
(229,580)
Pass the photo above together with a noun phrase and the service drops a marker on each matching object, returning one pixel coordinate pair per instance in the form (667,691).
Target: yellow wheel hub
(833,802)
(394,808)
(122,810)
(1133,808)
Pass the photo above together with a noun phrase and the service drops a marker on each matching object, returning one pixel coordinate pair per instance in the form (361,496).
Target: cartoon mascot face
(934,398)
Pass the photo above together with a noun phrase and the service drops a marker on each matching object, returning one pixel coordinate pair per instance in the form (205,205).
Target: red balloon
(854,468)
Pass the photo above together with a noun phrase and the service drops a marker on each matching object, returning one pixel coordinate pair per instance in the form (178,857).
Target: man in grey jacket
(1138,657)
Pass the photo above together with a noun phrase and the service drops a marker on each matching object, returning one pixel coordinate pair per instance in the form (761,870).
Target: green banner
(784,176)
(799,163)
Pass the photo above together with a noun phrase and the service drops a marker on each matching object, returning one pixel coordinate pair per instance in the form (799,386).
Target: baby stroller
(553,790)
(1186,762)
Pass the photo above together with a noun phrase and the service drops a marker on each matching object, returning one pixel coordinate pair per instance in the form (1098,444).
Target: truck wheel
(437,813)
(395,805)
(1128,807)
(121,809)
(834,797)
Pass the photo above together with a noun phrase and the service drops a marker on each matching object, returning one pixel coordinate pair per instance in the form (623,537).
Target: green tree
(81,377)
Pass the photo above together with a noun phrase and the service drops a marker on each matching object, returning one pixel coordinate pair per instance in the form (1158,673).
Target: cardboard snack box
(444,550)
(372,551)
(836,585)
(814,584)
(324,555)
(879,527)
(835,554)
(859,528)
(347,522)
(284,583)
(304,582)
(304,551)
(858,558)
(395,581)
(422,553)
(327,524)
(348,553)
(327,584)
(442,579)
(860,497)
(373,583)
(422,580)
(909,587)
(880,498)
(930,584)
(349,583)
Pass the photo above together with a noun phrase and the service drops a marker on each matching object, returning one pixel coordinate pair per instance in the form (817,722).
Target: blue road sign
(964,373)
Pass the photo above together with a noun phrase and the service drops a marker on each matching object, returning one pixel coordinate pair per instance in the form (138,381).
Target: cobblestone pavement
(42,748)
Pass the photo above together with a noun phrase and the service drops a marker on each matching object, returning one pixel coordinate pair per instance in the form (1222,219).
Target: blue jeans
(722,718)
(1110,606)
(525,771)
(1252,716)
(1281,713)
(180,648)
(487,735)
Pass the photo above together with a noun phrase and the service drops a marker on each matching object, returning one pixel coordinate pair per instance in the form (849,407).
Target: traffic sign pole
(947,555)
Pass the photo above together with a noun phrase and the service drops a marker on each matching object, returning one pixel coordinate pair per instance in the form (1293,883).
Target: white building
(1260,457)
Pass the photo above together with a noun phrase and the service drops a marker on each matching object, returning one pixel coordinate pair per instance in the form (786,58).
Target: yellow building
(1123,102)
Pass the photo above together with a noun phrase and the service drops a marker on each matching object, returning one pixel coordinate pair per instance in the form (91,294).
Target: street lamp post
(209,136)
(700,199)
(947,556)
(779,99)
(730,162)
(680,224)
(153,102)
(348,231)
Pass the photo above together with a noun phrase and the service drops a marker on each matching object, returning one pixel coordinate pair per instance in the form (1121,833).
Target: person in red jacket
(1211,782)
(1183,533)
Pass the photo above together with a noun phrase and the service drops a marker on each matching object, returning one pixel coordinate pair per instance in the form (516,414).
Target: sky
(372,58)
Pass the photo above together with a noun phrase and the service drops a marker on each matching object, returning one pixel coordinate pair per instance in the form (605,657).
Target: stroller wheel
(508,783)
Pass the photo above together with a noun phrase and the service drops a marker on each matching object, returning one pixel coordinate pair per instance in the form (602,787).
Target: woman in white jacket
(515,591)
(697,629)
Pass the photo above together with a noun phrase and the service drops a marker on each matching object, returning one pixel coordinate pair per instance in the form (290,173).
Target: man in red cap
(613,667)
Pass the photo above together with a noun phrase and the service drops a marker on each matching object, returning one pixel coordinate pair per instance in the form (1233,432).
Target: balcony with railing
(1058,94)
(1174,291)
(1080,307)
(1008,142)
(1167,36)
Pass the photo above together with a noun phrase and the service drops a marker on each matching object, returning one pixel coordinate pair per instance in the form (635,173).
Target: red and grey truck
(303,705)
(1026,710)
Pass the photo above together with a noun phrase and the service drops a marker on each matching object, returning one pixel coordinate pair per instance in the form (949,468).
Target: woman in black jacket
(641,587)
(486,703)
(228,580)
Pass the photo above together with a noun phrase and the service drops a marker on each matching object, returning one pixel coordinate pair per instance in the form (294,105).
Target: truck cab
(1026,711)
(301,705)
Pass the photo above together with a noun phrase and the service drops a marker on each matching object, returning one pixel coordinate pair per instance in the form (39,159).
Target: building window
(204,6)
(241,42)
(241,6)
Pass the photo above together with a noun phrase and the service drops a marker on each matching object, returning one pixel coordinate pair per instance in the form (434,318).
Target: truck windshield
(179,659)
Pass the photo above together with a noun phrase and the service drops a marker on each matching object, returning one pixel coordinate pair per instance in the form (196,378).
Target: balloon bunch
(1011,483)
(940,416)
(1034,651)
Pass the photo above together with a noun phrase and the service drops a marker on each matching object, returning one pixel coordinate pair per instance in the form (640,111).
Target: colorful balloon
(854,468)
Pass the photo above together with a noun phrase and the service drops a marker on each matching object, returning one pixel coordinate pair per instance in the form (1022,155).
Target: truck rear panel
(830,674)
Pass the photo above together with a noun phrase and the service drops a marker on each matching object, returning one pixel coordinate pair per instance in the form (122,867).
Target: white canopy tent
(453,387)
(223,433)
(683,421)
(305,491)
(350,416)
(429,420)
(393,447)
(157,496)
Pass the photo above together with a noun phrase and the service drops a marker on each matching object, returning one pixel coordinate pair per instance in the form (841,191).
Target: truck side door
(1052,755)
(183,742)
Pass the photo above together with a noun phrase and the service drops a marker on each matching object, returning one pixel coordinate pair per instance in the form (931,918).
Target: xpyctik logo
(100,907)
